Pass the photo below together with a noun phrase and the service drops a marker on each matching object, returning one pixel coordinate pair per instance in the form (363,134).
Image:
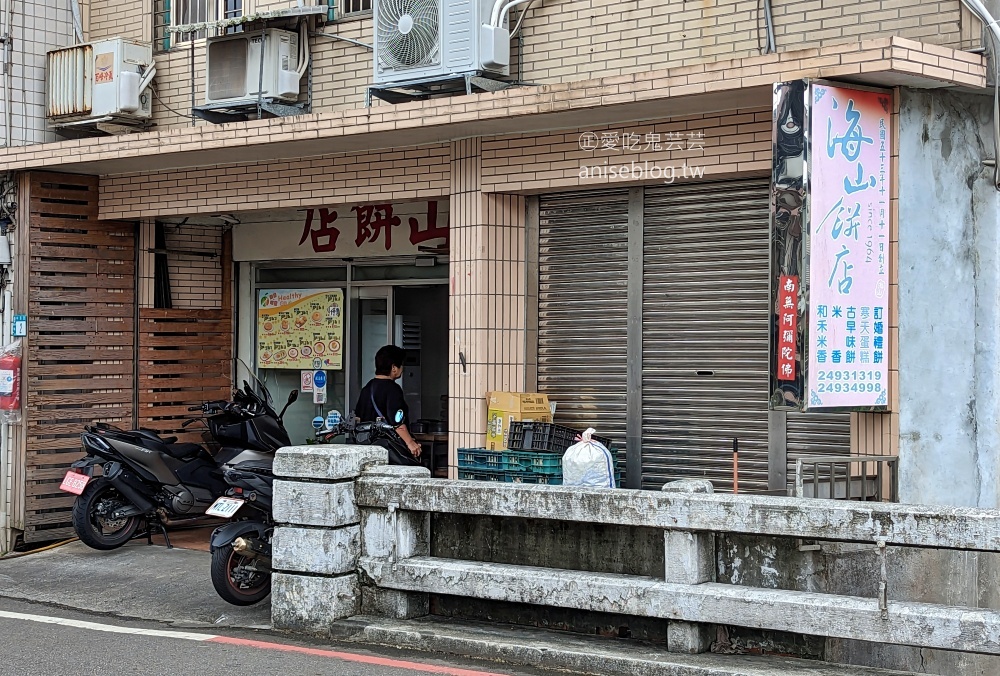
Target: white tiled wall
(37,27)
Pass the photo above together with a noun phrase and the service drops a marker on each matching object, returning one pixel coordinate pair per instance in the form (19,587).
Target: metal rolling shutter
(816,434)
(582,308)
(705,333)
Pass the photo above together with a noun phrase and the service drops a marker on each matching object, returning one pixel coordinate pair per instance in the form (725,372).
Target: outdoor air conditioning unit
(429,39)
(99,82)
(235,75)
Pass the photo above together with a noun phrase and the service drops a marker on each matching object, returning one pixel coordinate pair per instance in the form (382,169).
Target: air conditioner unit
(235,75)
(99,81)
(427,39)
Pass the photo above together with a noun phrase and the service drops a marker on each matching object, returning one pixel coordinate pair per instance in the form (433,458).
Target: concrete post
(690,559)
(317,540)
(391,535)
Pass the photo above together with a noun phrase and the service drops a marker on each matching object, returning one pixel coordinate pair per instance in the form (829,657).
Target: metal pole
(736,466)
(260,77)
(191,59)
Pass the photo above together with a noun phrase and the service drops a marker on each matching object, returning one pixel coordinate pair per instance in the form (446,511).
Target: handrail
(840,476)
(925,526)
(850,617)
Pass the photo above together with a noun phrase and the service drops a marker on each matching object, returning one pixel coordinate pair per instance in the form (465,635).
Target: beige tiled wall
(404,174)
(721,144)
(195,281)
(121,18)
(569,40)
(487,317)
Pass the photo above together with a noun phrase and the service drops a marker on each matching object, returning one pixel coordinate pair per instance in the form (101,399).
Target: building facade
(599,231)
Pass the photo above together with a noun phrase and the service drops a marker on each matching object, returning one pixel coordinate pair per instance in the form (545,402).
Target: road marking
(80,624)
(353,657)
(260,645)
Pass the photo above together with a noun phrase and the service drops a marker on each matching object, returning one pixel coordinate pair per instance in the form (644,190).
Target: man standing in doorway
(382,397)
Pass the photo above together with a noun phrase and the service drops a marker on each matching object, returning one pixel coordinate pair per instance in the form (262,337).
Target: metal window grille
(193,11)
(355,7)
(232,9)
(177,12)
(161,19)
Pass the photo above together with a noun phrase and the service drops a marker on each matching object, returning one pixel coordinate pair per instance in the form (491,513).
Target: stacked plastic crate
(534,456)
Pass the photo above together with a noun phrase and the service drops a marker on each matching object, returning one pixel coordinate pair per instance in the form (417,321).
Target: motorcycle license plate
(224,507)
(74,482)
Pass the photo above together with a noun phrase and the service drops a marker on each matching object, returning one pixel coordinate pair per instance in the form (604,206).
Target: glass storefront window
(289,276)
(378,273)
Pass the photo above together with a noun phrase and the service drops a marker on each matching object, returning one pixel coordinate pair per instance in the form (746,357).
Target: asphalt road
(40,640)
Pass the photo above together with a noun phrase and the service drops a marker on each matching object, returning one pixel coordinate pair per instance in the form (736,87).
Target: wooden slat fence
(79,362)
(185,358)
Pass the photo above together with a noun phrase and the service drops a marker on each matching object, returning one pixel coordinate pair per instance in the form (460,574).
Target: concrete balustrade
(355,537)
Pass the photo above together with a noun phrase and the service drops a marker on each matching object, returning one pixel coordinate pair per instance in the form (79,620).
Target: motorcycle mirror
(399,417)
(292,396)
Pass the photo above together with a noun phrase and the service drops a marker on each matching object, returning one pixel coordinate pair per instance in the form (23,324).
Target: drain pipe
(769,27)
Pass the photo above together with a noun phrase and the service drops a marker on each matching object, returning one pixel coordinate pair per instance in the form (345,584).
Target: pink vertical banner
(849,187)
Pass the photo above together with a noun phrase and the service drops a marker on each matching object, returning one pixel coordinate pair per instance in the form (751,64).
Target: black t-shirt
(381,398)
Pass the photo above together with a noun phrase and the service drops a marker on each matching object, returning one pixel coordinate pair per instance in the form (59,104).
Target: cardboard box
(503,408)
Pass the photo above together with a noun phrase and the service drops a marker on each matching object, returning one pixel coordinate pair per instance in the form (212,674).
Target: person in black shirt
(382,397)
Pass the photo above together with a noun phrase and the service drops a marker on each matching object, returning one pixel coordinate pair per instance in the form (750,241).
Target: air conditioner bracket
(220,113)
(420,90)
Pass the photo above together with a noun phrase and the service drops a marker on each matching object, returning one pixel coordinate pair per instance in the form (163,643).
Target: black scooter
(241,550)
(144,476)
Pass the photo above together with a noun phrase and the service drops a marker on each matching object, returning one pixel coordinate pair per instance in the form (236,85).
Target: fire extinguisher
(10,381)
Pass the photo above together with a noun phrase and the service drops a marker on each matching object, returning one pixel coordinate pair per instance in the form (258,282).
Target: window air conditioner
(234,73)
(99,81)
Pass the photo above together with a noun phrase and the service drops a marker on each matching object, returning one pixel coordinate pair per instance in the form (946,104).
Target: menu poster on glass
(300,329)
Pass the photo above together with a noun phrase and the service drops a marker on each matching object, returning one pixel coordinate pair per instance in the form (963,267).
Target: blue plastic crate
(470,475)
(480,459)
(532,478)
(532,461)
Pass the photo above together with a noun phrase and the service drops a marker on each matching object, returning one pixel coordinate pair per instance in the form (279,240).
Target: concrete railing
(357,539)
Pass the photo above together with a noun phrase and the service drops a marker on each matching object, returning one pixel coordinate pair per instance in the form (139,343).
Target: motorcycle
(144,476)
(241,550)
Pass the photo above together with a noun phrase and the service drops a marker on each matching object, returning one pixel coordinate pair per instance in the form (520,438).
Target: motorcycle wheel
(233,582)
(92,525)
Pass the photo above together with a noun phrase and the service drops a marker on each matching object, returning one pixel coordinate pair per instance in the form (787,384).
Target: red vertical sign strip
(788,313)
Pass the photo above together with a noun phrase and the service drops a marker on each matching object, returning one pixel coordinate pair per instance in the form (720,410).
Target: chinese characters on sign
(635,142)
(104,68)
(295,329)
(788,303)
(369,226)
(848,252)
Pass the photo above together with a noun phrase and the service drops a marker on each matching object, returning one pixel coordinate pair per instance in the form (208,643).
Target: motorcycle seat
(255,466)
(153,436)
(181,451)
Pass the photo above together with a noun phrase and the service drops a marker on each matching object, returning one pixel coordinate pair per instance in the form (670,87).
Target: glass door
(371,308)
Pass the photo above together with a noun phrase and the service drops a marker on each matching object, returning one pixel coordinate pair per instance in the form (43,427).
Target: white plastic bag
(588,463)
